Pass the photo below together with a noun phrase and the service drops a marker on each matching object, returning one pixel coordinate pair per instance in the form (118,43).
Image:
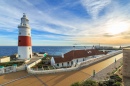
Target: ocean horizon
(51,50)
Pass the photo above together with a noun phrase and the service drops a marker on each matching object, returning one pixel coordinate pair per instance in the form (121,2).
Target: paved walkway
(33,59)
(11,76)
(65,78)
(105,73)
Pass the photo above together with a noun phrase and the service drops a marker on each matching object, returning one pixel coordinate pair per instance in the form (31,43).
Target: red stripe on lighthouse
(24,41)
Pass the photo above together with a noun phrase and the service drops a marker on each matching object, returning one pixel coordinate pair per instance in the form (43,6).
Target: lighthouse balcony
(23,26)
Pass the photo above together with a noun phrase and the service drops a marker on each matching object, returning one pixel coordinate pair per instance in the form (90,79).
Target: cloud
(60,22)
(107,35)
(93,7)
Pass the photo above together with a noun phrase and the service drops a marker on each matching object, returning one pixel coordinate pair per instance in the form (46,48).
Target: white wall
(24,52)
(65,64)
(79,60)
(87,58)
(60,64)
(24,32)
(5,59)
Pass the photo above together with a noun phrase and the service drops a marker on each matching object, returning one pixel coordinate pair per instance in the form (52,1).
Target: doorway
(30,56)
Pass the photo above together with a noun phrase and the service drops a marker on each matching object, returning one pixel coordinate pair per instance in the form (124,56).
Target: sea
(51,50)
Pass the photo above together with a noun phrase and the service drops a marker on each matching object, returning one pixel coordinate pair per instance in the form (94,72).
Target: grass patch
(11,64)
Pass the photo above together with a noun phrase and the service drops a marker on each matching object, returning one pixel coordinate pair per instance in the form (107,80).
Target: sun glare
(117,28)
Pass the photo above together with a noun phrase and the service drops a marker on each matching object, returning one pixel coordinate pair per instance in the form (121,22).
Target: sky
(67,22)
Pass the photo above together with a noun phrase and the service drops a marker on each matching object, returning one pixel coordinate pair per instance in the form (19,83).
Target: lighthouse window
(19,55)
(19,33)
(19,40)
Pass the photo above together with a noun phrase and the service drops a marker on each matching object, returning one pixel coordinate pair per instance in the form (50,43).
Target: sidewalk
(105,73)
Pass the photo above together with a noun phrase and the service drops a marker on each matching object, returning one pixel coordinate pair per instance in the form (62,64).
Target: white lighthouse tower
(24,39)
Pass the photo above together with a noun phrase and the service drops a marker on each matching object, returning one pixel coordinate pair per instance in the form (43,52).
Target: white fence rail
(79,65)
(7,69)
(15,68)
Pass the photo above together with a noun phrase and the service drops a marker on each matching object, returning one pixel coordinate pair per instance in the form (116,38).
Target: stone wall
(126,66)
(126,62)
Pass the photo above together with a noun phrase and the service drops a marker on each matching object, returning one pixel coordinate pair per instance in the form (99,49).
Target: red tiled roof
(77,54)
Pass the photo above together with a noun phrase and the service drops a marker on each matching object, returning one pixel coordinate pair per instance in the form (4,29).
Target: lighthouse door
(30,56)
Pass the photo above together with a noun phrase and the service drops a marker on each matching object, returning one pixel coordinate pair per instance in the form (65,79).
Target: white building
(4,59)
(24,39)
(73,57)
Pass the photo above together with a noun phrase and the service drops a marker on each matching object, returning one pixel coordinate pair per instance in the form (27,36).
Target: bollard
(115,60)
(94,73)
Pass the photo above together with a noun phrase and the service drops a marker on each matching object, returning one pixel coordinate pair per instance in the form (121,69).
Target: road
(60,79)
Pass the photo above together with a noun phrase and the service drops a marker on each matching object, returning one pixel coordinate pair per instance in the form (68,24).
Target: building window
(19,56)
(19,40)
(77,60)
(19,33)
(83,59)
(57,64)
(62,64)
(71,62)
(67,63)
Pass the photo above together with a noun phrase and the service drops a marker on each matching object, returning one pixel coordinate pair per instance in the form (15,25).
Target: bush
(102,84)
(116,78)
(117,84)
(89,83)
(111,82)
(76,84)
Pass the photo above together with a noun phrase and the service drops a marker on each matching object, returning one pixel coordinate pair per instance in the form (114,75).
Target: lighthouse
(24,39)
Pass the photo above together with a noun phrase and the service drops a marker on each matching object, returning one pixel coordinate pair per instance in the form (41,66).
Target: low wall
(79,65)
(23,67)
(7,69)
(96,60)
(51,71)
(10,69)
(34,63)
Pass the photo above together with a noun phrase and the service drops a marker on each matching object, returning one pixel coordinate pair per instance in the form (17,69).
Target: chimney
(62,55)
(85,47)
(93,47)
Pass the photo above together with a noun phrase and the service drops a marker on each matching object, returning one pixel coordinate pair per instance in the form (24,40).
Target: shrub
(76,84)
(116,78)
(89,83)
(117,84)
(111,82)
